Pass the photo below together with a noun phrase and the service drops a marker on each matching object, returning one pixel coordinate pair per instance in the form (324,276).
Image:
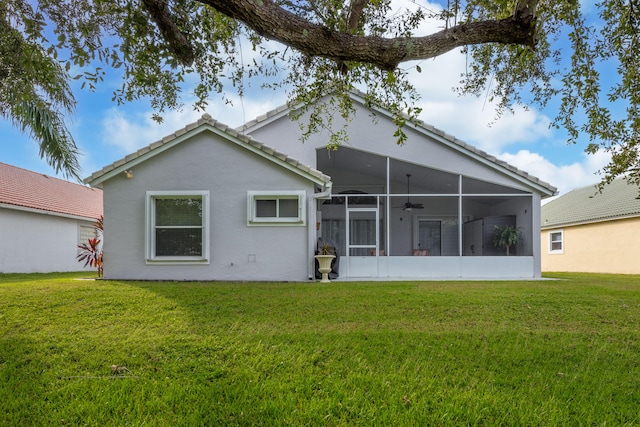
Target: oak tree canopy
(519,51)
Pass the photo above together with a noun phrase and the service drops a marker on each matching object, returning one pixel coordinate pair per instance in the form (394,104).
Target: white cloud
(248,108)
(564,177)
(130,131)
(471,122)
(469,118)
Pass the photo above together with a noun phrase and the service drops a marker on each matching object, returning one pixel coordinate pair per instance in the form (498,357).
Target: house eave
(265,119)
(46,212)
(586,222)
(534,184)
(482,157)
(145,153)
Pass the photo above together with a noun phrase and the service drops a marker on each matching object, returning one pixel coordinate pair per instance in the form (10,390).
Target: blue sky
(106,132)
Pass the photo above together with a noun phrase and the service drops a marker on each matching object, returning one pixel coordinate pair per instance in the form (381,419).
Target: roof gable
(207,124)
(430,132)
(619,199)
(27,190)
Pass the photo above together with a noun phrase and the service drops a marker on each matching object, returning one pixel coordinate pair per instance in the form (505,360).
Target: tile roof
(618,199)
(32,190)
(422,127)
(206,120)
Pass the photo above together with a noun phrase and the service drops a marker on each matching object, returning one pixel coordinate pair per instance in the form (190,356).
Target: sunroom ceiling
(349,167)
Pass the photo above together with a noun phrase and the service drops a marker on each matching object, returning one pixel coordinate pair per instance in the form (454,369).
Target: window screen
(556,241)
(176,226)
(283,208)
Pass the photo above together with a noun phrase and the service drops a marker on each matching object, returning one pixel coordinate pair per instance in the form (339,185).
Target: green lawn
(554,352)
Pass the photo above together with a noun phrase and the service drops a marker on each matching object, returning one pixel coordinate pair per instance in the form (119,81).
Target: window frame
(252,209)
(150,226)
(551,241)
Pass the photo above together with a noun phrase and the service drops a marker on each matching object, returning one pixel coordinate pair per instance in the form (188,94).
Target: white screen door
(362,242)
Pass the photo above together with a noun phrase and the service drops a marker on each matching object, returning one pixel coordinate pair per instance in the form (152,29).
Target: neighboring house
(588,231)
(213,203)
(42,221)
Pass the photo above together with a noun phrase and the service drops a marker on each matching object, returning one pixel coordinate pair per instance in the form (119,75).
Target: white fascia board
(586,222)
(463,150)
(493,165)
(484,160)
(145,156)
(179,139)
(265,155)
(545,192)
(45,212)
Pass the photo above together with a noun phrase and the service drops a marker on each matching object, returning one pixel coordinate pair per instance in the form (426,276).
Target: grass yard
(560,352)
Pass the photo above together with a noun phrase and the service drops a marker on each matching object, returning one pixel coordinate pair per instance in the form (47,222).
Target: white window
(177,223)
(556,242)
(281,208)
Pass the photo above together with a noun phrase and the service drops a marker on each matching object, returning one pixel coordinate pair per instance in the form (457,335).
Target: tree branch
(161,15)
(355,12)
(273,22)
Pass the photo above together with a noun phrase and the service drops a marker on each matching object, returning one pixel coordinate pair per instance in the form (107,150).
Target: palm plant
(35,95)
(506,236)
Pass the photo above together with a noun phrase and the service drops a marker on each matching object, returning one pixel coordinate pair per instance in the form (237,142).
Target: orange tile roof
(27,189)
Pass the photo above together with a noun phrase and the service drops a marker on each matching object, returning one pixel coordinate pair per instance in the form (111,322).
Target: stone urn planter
(325,255)
(324,266)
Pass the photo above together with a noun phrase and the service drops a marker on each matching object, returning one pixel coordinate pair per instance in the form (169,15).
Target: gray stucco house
(214,203)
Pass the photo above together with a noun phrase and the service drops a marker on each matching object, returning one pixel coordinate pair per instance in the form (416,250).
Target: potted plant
(506,236)
(325,255)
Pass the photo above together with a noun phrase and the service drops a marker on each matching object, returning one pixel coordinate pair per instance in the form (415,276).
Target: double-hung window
(556,242)
(177,224)
(276,208)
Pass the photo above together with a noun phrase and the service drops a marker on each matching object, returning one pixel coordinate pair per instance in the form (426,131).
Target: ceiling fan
(409,206)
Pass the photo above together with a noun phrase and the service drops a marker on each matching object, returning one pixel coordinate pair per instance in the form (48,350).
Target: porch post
(460,215)
(312,231)
(536,244)
(347,230)
(312,236)
(387,231)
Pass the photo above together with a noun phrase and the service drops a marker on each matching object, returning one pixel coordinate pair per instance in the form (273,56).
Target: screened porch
(392,218)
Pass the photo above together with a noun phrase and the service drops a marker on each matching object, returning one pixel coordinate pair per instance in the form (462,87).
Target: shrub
(91,252)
